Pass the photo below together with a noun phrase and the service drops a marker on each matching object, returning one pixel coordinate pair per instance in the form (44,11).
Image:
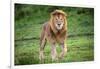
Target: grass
(79,49)
(28,23)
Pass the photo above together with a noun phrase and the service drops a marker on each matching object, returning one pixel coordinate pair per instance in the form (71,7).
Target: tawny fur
(52,35)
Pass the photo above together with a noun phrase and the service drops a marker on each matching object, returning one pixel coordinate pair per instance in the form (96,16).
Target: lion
(54,31)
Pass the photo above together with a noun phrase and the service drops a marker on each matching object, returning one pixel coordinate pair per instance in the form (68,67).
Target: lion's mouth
(59,26)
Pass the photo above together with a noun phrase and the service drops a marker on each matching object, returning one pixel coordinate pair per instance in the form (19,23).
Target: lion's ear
(65,14)
(53,13)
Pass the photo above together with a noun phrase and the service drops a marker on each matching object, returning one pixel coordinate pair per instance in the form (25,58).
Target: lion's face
(58,21)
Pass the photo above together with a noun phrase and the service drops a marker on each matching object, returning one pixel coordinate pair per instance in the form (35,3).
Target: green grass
(28,24)
(79,49)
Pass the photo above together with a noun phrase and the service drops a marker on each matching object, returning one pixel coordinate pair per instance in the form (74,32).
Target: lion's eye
(56,19)
(61,19)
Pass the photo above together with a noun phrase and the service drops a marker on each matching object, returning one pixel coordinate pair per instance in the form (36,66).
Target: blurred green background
(28,23)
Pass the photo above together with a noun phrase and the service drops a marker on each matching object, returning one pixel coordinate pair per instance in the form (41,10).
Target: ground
(79,49)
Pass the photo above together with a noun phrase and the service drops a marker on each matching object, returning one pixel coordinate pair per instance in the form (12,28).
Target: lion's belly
(53,39)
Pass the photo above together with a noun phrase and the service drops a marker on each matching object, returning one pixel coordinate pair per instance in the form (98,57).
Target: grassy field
(28,23)
(79,49)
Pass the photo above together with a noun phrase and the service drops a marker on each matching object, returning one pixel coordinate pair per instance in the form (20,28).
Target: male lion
(54,31)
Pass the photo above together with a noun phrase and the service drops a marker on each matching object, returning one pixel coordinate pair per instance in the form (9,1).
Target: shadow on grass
(24,60)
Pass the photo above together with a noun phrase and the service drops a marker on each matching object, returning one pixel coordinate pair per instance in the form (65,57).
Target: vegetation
(28,23)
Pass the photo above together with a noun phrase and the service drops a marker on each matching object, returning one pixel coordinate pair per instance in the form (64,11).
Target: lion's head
(58,20)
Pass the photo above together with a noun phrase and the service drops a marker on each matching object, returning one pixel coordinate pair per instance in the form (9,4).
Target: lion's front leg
(53,52)
(63,50)
(41,50)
